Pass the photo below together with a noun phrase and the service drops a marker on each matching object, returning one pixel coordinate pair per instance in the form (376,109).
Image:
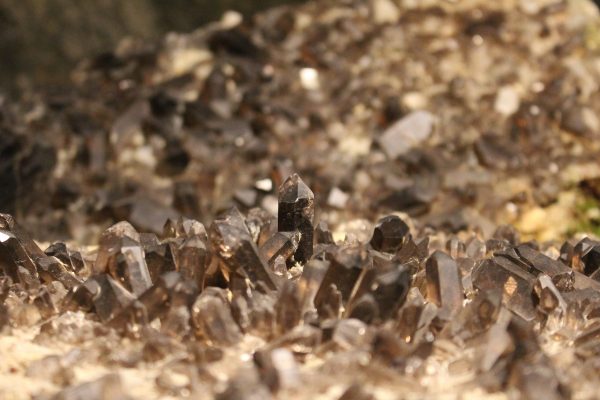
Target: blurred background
(42,40)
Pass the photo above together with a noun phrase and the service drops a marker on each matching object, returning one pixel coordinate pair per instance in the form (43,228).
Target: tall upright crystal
(443,284)
(296,212)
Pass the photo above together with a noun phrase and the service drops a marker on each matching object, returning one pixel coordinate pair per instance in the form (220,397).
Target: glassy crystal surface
(234,245)
(444,286)
(296,213)
(389,234)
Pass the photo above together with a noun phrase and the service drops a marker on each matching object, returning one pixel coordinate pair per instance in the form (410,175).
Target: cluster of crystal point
(393,298)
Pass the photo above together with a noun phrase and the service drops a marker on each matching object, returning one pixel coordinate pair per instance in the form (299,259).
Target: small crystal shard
(444,286)
(296,213)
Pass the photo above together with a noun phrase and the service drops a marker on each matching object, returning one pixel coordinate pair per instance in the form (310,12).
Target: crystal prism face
(345,268)
(296,213)
(379,293)
(281,244)
(232,242)
(191,258)
(212,319)
(444,286)
(516,284)
(108,296)
(13,256)
(389,234)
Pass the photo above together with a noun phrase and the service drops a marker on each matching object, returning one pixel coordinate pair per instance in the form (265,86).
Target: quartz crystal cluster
(254,308)
(354,199)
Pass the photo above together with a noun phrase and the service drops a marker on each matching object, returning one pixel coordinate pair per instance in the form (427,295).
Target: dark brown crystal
(389,234)
(296,213)
(232,242)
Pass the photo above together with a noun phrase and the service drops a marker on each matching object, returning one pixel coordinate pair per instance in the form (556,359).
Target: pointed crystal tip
(293,189)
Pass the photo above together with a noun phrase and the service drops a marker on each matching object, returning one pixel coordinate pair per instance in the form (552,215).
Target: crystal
(383,290)
(281,244)
(108,296)
(346,266)
(350,333)
(415,199)
(232,242)
(277,369)
(296,213)
(184,227)
(168,291)
(159,258)
(406,133)
(389,234)
(322,234)
(72,260)
(310,281)
(328,301)
(548,295)
(412,316)
(191,258)
(13,256)
(562,276)
(49,298)
(130,267)
(212,319)
(288,309)
(110,245)
(364,308)
(177,322)
(495,152)
(516,284)
(52,269)
(444,286)
(497,342)
(7,223)
(261,224)
(589,254)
